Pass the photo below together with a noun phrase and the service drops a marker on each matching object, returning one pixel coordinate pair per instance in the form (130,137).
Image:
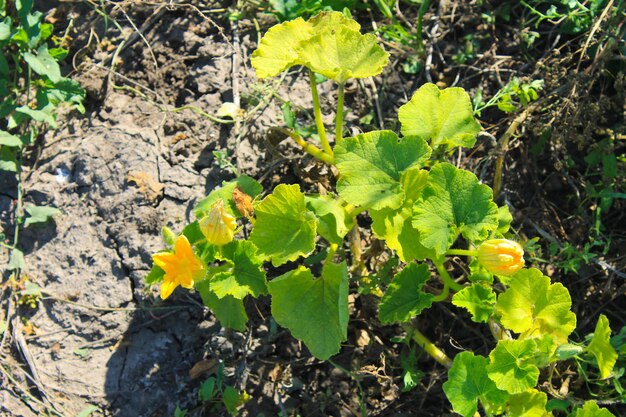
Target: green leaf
(7,139)
(39,214)
(445,117)
(334,222)
(511,365)
(279,48)
(245,275)
(591,409)
(531,403)
(8,160)
(468,383)
(601,348)
(534,307)
(343,53)
(396,228)
(16,261)
(44,64)
(284,229)
(228,310)
(232,399)
(371,167)
(207,389)
(478,299)
(155,275)
(247,184)
(504,220)
(315,310)
(87,411)
(453,203)
(404,298)
(44,115)
(6,29)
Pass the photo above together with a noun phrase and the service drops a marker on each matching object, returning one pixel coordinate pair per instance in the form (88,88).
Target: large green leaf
(247,184)
(445,117)
(601,348)
(228,310)
(44,64)
(284,228)
(371,167)
(315,310)
(511,365)
(591,409)
(468,383)
(334,221)
(478,299)
(279,48)
(531,403)
(395,227)
(39,214)
(404,298)
(7,139)
(245,274)
(453,203)
(343,53)
(534,307)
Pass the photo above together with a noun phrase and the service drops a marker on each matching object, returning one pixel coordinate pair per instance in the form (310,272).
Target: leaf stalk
(307,147)
(339,115)
(428,346)
(317,111)
(446,278)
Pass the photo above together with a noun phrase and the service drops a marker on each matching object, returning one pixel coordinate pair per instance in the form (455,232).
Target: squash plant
(425,210)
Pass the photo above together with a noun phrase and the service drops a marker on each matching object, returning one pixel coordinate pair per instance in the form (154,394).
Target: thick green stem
(339,116)
(446,278)
(309,148)
(461,252)
(428,346)
(317,111)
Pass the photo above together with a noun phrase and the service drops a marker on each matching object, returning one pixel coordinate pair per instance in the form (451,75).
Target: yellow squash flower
(182,267)
(218,226)
(501,256)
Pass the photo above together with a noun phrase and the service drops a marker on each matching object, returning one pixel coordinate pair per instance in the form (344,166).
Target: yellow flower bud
(218,226)
(501,256)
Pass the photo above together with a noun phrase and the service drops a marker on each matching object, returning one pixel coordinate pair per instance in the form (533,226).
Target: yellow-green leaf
(279,48)
(531,403)
(444,117)
(601,348)
(534,307)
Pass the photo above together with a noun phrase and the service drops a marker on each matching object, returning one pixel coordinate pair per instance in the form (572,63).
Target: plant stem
(447,280)
(339,116)
(428,346)
(317,111)
(461,252)
(307,147)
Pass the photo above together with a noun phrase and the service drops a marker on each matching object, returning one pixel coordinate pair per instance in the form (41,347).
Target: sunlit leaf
(229,310)
(39,214)
(591,409)
(404,298)
(443,117)
(511,365)
(315,310)
(468,383)
(247,184)
(44,64)
(284,229)
(454,203)
(534,307)
(531,403)
(245,274)
(7,139)
(601,348)
(371,167)
(478,299)
(334,221)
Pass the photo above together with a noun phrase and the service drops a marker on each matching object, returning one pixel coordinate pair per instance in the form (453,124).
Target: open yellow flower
(218,226)
(501,256)
(181,267)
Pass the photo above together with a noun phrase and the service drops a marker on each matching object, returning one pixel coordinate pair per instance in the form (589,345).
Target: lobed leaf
(468,383)
(333,220)
(453,203)
(247,184)
(245,274)
(478,299)
(284,229)
(228,310)
(443,117)
(601,348)
(315,310)
(404,298)
(534,307)
(591,409)
(7,139)
(39,214)
(531,403)
(371,167)
(511,365)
